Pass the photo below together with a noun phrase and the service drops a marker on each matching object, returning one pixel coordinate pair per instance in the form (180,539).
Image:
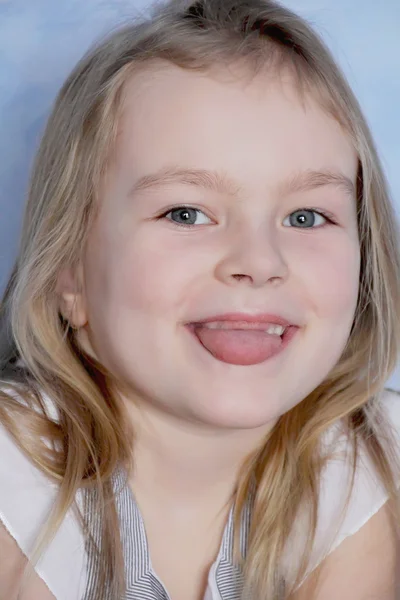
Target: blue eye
(184,215)
(306,219)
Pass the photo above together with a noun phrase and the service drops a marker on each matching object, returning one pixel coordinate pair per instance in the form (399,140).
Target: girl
(197,333)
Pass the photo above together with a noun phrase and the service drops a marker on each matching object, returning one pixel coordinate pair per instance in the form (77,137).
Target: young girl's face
(147,275)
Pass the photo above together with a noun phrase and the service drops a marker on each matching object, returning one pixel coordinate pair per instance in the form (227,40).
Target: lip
(249,318)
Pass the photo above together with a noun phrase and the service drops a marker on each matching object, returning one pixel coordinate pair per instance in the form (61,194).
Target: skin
(142,277)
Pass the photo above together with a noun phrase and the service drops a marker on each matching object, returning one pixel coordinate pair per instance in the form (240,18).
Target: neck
(183,465)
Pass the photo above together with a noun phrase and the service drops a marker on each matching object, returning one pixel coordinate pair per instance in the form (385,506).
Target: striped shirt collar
(142,581)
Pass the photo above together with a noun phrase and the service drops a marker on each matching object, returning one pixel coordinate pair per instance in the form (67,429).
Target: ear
(70,289)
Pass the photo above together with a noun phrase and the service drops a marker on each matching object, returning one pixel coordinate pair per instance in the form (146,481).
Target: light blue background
(40,40)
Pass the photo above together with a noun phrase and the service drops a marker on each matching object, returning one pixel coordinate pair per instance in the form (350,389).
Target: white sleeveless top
(67,566)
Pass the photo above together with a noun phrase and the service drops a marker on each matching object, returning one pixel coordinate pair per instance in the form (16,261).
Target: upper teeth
(271,329)
(275,329)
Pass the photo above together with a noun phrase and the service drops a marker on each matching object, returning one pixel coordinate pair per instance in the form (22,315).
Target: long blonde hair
(91,438)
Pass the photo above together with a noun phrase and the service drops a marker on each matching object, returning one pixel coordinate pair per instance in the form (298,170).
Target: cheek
(140,274)
(330,276)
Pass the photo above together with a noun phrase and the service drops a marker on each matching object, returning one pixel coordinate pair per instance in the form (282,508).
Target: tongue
(239,346)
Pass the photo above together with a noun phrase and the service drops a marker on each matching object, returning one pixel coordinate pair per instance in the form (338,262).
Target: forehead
(259,130)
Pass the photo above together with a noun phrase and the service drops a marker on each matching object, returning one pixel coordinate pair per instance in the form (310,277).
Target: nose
(254,259)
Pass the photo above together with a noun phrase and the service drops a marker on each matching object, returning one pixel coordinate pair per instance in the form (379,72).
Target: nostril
(238,276)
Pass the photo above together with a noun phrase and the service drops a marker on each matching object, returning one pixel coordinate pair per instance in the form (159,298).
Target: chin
(235,415)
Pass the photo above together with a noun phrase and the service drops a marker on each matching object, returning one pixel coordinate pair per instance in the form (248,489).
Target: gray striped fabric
(142,582)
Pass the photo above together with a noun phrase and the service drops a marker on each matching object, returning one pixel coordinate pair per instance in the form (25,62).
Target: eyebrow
(220,182)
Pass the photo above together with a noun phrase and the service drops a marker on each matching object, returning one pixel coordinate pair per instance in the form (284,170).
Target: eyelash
(326,215)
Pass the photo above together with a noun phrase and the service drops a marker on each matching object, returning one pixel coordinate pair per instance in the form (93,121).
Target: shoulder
(12,565)
(27,496)
(348,515)
(368,493)
(364,565)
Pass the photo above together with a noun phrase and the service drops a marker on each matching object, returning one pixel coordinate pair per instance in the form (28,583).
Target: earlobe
(72,298)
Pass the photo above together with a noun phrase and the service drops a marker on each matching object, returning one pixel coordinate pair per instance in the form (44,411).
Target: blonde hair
(91,437)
